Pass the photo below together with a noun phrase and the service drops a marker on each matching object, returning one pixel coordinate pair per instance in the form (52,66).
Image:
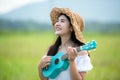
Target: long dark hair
(54,48)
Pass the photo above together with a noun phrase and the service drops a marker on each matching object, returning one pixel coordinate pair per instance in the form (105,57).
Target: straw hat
(76,20)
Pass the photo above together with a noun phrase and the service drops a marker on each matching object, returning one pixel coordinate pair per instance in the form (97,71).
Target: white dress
(83,64)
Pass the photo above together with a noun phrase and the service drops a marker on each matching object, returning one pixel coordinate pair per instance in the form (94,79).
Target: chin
(58,33)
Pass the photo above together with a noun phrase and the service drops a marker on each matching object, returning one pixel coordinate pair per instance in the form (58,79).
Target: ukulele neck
(87,46)
(65,56)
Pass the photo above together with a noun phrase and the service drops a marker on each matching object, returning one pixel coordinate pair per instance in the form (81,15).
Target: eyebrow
(62,19)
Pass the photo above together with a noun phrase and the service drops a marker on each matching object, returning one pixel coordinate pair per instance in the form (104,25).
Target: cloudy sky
(8,5)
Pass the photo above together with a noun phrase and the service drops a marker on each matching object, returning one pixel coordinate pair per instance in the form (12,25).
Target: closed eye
(62,20)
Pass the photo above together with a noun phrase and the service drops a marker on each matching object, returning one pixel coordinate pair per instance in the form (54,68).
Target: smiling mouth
(58,29)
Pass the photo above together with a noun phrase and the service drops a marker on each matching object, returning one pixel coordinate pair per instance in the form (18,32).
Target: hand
(44,61)
(72,54)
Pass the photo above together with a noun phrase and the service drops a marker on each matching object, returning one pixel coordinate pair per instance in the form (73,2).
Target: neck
(65,40)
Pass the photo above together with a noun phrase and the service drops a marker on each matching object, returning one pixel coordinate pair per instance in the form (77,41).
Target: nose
(57,24)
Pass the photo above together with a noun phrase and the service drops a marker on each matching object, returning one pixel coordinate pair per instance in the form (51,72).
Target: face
(62,26)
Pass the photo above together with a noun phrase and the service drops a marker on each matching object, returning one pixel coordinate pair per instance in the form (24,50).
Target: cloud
(9,5)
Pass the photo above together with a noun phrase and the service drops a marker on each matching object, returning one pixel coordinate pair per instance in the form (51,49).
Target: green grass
(21,53)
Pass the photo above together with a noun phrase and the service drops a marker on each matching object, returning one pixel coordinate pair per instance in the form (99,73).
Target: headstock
(89,45)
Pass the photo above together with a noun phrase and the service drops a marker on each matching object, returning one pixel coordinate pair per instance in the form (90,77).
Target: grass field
(21,53)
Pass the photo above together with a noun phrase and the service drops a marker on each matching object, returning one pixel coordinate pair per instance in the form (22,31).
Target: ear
(71,28)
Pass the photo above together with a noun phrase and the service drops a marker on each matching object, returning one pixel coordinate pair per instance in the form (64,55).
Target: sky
(102,10)
(9,5)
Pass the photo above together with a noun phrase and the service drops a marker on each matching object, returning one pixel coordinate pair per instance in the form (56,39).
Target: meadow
(21,53)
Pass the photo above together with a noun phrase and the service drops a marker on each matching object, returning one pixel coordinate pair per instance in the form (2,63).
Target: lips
(58,28)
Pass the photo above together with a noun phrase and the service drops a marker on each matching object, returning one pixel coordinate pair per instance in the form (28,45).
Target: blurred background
(26,33)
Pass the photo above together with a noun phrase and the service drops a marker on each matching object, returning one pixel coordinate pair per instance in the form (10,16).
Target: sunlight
(9,5)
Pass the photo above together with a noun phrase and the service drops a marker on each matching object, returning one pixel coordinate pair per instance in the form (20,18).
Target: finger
(68,53)
(48,61)
(45,60)
(46,64)
(47,57)
(69,50)
(75,52)
(68,57)
(72,52)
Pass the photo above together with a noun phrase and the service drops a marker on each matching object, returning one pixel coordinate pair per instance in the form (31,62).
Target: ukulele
(59,62)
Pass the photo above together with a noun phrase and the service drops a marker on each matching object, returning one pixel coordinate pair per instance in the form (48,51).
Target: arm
(75,74)
(83,74)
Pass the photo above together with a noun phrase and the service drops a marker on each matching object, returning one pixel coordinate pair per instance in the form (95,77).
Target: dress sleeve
(83,63)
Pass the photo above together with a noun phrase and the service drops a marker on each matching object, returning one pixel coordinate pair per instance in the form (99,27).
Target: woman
(68,26)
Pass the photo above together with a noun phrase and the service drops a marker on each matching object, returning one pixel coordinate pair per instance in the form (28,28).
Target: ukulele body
(56,66)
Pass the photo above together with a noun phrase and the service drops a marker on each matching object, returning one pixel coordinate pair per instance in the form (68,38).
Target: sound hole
(56,61)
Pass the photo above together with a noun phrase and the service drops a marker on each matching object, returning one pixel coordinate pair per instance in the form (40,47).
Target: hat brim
(76,20)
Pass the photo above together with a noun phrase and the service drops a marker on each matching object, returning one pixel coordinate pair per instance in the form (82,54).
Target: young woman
(68,26)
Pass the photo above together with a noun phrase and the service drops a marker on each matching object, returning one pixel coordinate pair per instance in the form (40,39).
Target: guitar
(59,62)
